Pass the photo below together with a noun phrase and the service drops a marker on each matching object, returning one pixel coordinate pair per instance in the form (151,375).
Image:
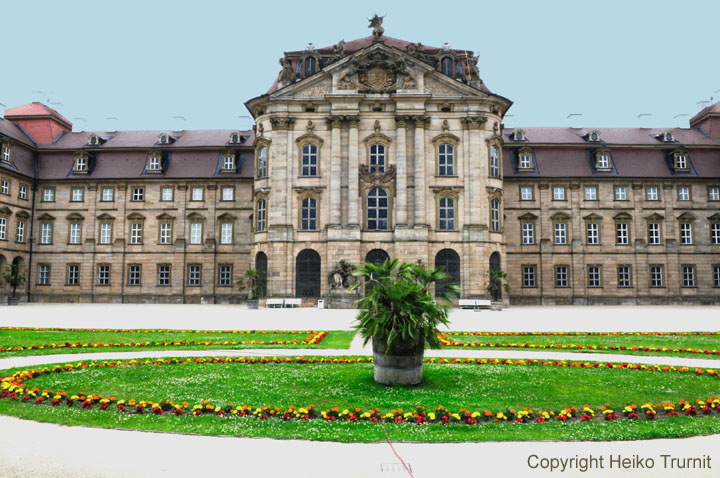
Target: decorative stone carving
(447,191)
(280,123)
(376,25)
(320,88)
(377,179)
(377,73)
(434,87)
(286,74)
(417,50)
(339,50)
(474,122)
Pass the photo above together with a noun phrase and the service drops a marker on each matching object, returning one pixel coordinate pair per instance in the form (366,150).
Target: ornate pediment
(316,88)
(377,71)
(377,179)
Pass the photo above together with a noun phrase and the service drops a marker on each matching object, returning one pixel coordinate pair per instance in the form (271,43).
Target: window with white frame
(163,274)
(134,271)
(225,275)
(22,192)
(715,232)
(528,233)
(308,214)
(713,193)
(558,193)
(594,276)
(656,276)
(48,194)
(6,153)
(81,164)
(136,232)
(526,193)
(229,162)
(685,233)
(624,276)
(623,236)
(105,233)
(262,162)
(716,276)
(5,186)
(681,161)
(651,193)
(683,193)
(228,194)
(108,194)
(197,194)
(260,221)
(74,233)
(377,210)
(153,163)
(495,215)
(529,276)
(446,160)
(3,230)
(226,233)
(20,237)
(103,277)
(196,233)
(309,160)
(194,275)
(688,274)
(590,193)
(138,194)
(560,233)
(43,274)
(377,158)
(603,161)
(447,214)
(561,276)
(165,231)
(654,233)
(620,193)
(593,233)
(73,274)
(166,194)
(494,162)
(77,195)
(525,161)
(46,233)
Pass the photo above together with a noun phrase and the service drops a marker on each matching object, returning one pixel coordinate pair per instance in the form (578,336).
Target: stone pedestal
(341,299)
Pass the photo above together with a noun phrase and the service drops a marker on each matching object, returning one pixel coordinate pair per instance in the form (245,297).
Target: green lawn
(695,340)
(476,387)
(335,339)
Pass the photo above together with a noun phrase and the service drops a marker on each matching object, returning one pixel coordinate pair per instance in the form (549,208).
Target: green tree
(14,276)
(497,281)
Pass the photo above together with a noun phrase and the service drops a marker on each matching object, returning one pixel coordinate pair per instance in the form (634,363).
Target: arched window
(446,214)
(495,215)
(446,160)
(309,160)
(307,274)
(495,266)
(262,162)
(494,162)
(261,268)
(308,219)
(3,266)
(377,210)
(377,256)
(310,66)
(260,225)
(377,158)
(449,260)
(446,66)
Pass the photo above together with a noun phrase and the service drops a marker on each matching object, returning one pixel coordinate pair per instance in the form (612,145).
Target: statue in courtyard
(341,277)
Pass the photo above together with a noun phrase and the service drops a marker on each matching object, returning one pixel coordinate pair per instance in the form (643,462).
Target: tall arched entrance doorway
(449,260)
(307,274)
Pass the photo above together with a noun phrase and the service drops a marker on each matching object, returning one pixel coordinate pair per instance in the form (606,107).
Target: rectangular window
(713,193)
(49,195)
(621,193)
(3,231)
(715,232)
(226,233)
(103,277)
(494,162)
(526,193)
(195,233)
(654,233)
(164,233)
(656,276)
(75,233)
(528,233)
(680,161)
(590,193)
(77,195)
(194,275)
(154,163)
(135,233)
(561,276)
(558,193)
(197,194)
(622,233)
(134,271)
(716,276)
(685,233)
(73,274)
(683,193)
(6,154)
(225,275)
(446,160)
(593,233)
(166,194)
(43,274)
(688,276)
(80,164)
(603,161)
(164,274)
(4,186)
(107,194)
(105,233)
(138,194)
(20,231)
(229,162)
(22,194)
(309,160)
(560,233)
(228,194)
(46,233)
(624,276)
(260,215)
(525,161)
(529,275)
(651,193)
(447,214)
(594,276)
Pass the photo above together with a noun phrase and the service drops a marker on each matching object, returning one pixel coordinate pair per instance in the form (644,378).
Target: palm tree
(14,276)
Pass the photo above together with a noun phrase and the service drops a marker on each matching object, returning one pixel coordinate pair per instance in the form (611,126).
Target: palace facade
(361,151)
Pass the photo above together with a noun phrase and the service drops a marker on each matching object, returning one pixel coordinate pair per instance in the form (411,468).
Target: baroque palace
(364,150)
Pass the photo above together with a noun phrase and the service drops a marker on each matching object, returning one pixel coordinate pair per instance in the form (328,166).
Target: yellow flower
(431,415)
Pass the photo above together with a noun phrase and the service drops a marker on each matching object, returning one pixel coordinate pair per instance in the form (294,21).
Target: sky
(173,65)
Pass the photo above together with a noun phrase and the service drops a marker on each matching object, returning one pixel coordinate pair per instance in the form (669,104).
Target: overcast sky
(146,62)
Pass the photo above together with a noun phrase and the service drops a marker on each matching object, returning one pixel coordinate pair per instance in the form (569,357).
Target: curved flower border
(313,338)
(15,387)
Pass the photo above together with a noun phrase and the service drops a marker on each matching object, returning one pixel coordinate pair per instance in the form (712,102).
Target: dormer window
(525,159)
(81,164)
(5,157)
(681,161)
(154,163)
(667,137)
(593,136)
(95,140)
(165,138)
(602,161)
(235,138)
(228,163)
(518,135)
(446,66)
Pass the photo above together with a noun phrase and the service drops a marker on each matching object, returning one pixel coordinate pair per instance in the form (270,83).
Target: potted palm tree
(497,282)
(255,284)
(401,317)
(14,276)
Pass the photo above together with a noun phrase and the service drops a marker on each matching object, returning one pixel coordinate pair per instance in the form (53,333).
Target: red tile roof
(712,109)
(35,109)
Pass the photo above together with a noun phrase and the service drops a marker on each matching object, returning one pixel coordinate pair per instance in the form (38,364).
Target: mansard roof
(36,110)
(218,138)
(610,136)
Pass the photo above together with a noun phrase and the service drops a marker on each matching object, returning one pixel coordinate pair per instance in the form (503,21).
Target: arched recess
(496,265)
(307,274)
(377,256)
(3,266)
(261,267)
(449,260)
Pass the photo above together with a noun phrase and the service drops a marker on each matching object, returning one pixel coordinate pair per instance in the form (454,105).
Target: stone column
(335,122)
(401,218)
(353,174)
(276,215)
(420,218)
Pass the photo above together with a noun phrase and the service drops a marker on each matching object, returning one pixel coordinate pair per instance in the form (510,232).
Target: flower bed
(17,387)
